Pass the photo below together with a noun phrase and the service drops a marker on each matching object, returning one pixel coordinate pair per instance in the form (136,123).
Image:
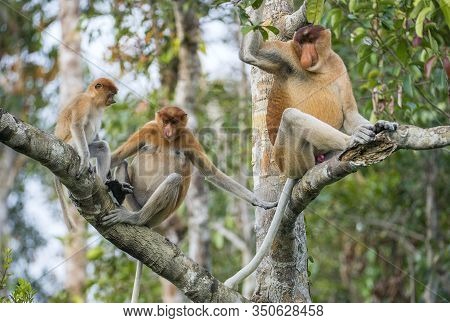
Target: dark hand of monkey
(385,125)
(118,189)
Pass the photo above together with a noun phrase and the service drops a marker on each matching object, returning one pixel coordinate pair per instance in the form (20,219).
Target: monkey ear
(98,85)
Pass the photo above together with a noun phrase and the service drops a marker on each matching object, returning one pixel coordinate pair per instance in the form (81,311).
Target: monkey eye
(98,85)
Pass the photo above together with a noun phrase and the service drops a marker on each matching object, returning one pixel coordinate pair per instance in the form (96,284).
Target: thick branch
(385,144)
(93,201)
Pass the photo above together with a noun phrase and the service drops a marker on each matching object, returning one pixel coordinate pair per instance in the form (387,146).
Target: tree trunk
(282,276)
(432,217)
(71,83)
(189,71)
(10,164)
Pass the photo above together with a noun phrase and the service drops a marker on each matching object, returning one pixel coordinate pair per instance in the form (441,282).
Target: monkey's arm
(135,142)
(196,154)
(79,140)
(270,56)
(361,130)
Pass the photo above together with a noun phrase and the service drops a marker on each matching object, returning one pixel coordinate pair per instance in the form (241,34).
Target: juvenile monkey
(311,111)
(78,125)
(161,173)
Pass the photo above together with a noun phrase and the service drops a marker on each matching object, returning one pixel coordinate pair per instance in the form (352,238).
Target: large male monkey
(161,173)
(78,125)
(311,111)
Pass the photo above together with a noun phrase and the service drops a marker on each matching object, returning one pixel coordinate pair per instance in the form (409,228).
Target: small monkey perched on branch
(78,125)
(311,111)
(161,173)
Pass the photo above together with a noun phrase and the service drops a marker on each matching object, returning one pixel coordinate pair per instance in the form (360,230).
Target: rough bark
(163,257)
(282,276)
(186,93)
(71,84)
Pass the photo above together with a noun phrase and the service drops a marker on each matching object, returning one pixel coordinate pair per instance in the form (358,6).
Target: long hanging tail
(137,283)
(233,281)
(62,200)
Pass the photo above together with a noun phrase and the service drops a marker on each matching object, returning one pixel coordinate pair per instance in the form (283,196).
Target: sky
(220,61)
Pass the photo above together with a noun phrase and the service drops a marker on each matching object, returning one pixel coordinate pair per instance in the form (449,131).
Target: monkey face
(110,98)
(171,120)
(104,90)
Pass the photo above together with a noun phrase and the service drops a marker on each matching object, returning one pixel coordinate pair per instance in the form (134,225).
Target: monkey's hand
(119,189)
(84,166)
(120,215)
(385,125)
(362,135)
(265,204)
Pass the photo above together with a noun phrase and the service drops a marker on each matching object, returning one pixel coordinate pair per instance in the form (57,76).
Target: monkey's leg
(100,150)
(299,133)
(122,177)
(155,210)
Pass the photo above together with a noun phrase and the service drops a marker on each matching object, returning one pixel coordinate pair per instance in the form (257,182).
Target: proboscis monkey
(78,125)
(311,111)
(161,173)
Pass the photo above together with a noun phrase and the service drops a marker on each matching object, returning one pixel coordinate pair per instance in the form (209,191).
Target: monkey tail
(60,192)
(233,281)
(137,282)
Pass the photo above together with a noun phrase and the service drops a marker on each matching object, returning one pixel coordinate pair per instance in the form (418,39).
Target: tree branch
(354,158)
(93,201)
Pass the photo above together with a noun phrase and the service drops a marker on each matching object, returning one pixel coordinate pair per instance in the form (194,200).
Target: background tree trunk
(189,72)
(431,172)
(71,83)
(282,276)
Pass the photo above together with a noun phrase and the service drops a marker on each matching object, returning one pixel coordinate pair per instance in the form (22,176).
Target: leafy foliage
(314,11)
(23,292)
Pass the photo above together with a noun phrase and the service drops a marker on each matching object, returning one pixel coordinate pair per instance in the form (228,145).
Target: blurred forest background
(381,234)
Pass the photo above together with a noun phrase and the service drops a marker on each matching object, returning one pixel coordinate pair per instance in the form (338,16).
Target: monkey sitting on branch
(78,125)
(161,173)
(311,111)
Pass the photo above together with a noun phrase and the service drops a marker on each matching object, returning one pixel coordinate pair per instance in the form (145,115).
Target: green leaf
(445,7)
(433,43)
(314,11)
(264,33)
(407,85)
(420,19)
(243,16)
(352,5)
(247,29)
(272,29)
(402,51)
(95,253)
(256,4)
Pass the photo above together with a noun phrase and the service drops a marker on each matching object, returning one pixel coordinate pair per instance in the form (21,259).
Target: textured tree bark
(186,92)
(71,84)
(282,276)
(156,252)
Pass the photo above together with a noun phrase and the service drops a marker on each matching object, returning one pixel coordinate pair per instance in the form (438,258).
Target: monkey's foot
(119,189)
(120,215)
(362,135)
(84,167)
